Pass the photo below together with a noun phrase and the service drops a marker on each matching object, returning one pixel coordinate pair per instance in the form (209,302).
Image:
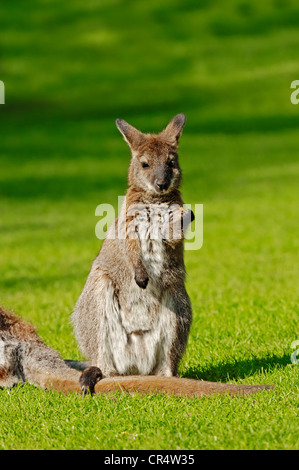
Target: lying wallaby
(25,358)
(134,314)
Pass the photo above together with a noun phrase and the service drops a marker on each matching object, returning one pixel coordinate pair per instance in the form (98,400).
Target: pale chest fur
(145,318)
(152,225)
(153,256)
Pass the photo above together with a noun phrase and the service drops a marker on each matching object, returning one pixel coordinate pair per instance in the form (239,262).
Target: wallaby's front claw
(142,282)
(141,277)
(188,215)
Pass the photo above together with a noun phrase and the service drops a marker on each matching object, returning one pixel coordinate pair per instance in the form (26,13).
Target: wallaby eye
(144,165)
(171,163)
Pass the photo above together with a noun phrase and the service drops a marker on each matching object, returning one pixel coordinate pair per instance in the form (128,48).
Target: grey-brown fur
(134,314)
(25,358)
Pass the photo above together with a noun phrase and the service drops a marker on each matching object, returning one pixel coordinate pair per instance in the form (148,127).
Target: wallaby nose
(161,185)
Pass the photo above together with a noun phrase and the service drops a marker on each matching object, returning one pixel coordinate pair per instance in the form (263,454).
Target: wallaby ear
(174,129)
(132,136)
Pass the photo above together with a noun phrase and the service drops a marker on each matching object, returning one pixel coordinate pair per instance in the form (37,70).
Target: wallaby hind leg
(173,347)
(44,368)
(96,303)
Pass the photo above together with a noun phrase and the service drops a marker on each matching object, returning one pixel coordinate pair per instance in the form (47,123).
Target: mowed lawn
(69,71)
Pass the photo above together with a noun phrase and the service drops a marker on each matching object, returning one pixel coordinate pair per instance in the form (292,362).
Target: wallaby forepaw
(89,378)
(142,282)
(188,216)
(141,277)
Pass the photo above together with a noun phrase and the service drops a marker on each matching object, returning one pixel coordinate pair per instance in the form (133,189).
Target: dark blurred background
(228,64)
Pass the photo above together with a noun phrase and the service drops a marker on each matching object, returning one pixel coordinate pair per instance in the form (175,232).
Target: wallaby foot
(89,378)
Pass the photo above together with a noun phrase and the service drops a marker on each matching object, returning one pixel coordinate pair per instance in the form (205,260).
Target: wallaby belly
(143,340)
(146,318)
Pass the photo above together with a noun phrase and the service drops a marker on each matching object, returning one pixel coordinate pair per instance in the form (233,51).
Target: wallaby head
(154,165)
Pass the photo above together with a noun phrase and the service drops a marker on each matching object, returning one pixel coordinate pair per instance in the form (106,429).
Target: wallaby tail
(62,385)
(151,384)
(173,386)
(61,378)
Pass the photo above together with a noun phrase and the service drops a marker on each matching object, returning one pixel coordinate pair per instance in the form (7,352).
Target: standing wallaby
(134,314)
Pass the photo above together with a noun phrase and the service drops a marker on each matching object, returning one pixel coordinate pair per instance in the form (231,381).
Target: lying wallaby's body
(25,358)
(134,315)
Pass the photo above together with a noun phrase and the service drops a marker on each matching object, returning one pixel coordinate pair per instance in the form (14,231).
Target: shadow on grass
(38,282)
(227,371)
(61,187)
(248,23)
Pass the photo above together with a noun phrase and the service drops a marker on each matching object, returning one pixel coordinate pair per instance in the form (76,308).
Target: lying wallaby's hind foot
(89,378)
(173,386)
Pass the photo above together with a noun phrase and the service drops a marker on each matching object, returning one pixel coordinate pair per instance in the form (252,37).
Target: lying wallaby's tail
(173,386)
(148,384)
(61,385)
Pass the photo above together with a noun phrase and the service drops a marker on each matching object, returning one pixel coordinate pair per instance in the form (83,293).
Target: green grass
(69,71)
